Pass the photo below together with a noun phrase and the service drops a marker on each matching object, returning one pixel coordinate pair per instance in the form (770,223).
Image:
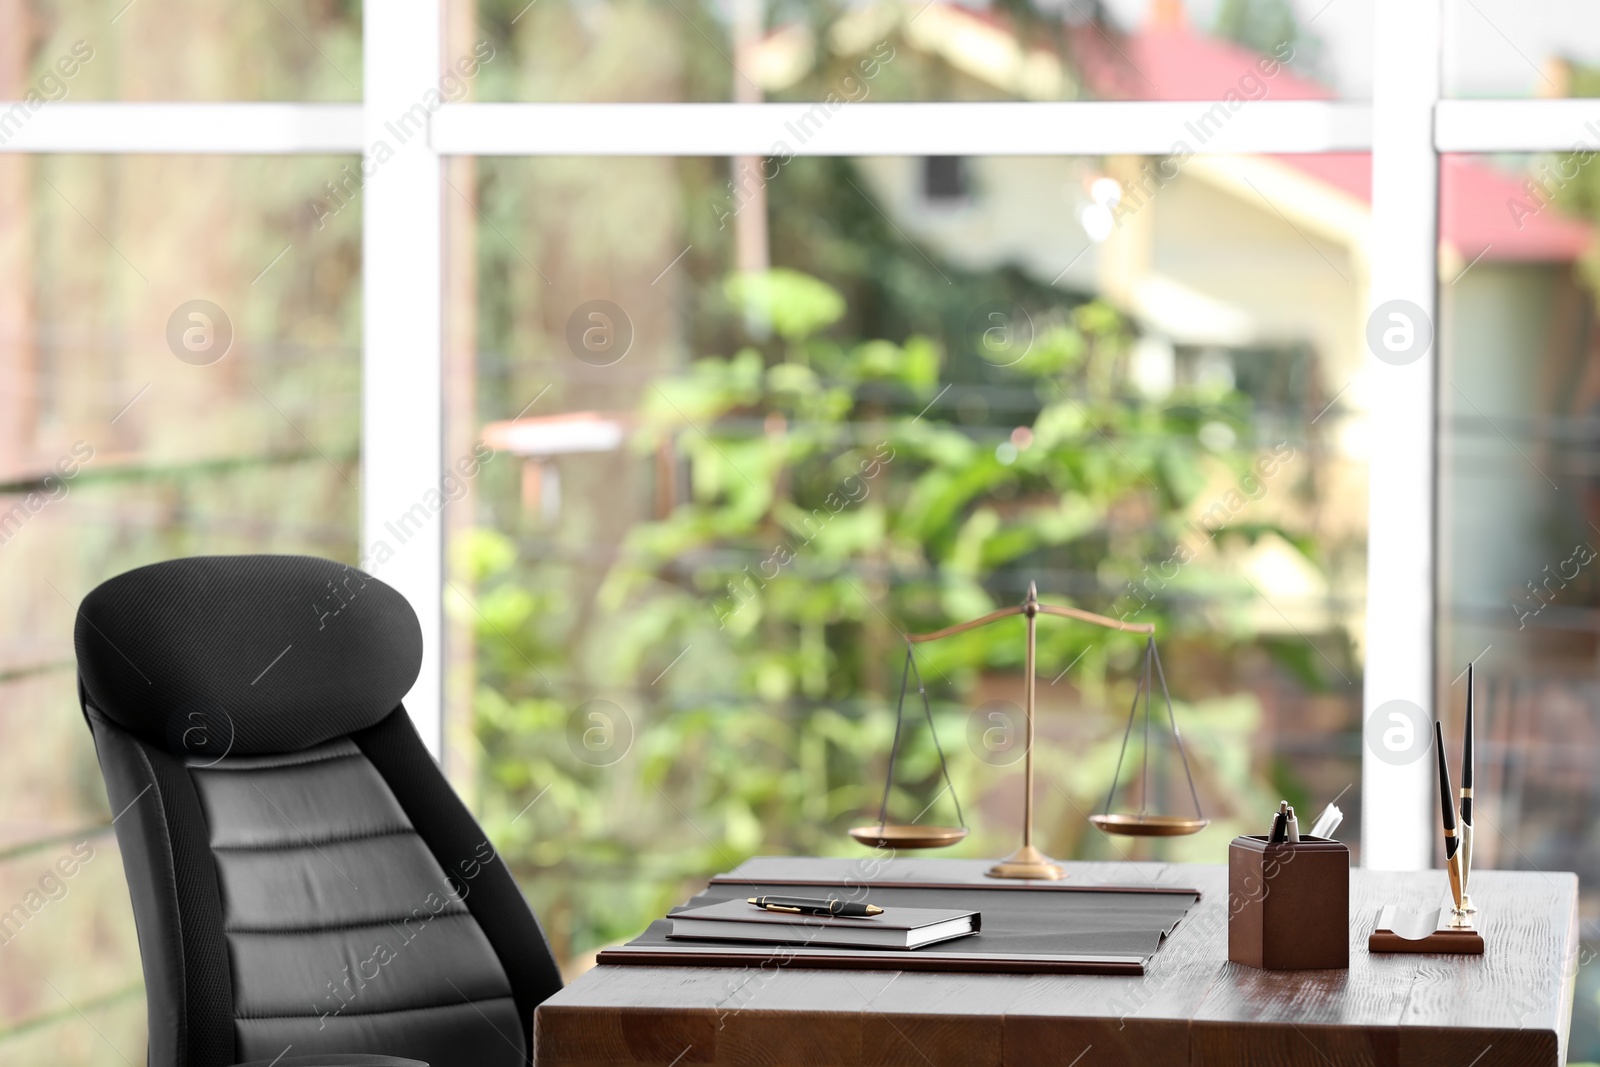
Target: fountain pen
(1466,801)
(813,906)
(1447,803)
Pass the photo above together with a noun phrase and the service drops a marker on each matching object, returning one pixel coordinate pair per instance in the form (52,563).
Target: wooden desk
(1510,1006)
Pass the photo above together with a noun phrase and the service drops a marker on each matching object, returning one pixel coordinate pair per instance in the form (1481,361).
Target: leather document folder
(1028,928)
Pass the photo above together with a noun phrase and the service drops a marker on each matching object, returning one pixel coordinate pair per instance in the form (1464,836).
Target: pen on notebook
(814,906)
(1448,806)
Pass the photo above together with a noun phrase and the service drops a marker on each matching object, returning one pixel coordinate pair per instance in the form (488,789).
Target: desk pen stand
(1289,903)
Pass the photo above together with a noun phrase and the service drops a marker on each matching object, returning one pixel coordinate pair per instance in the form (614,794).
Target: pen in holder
(1466,800)
(1449,928)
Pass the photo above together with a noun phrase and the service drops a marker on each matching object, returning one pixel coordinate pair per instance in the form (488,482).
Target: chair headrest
(245,655)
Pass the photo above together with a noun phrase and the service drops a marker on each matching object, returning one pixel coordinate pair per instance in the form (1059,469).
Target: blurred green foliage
(862,449)
(1569,179)
(738,696)
(1268,27)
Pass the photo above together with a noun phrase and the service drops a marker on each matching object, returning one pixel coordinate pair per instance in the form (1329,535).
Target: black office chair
(305,883)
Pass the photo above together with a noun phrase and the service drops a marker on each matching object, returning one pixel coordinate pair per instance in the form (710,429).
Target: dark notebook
(896,928)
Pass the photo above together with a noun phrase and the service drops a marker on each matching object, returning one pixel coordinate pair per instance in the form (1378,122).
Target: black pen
(814,906)
(1466,800)
(1447,803)
(1466,758)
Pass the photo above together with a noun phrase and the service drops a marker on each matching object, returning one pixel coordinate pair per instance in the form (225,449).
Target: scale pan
(1149,825)
(901,835)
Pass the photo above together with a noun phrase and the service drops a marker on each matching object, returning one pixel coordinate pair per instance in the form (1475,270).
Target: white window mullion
(871,129)
(402,425)
(1517,125)
(189,128)
(1398,810)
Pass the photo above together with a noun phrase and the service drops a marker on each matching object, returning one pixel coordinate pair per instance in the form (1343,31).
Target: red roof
(1485,211)
(1482,210)
(1164,63)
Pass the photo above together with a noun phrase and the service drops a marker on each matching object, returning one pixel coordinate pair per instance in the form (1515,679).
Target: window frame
(1405,128)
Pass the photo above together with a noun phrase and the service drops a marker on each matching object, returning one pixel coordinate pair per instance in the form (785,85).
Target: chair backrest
(302,874)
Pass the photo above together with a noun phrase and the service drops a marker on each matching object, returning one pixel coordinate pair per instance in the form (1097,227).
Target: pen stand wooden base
(1289,904)
(1434,930)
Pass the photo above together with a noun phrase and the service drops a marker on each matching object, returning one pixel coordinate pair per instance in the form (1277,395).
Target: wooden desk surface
(1510,1006)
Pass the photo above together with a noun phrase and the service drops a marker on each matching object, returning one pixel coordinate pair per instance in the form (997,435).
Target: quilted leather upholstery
(342,929)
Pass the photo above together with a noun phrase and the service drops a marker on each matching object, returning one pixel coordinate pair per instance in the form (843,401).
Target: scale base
(1028,862)
(1441,930)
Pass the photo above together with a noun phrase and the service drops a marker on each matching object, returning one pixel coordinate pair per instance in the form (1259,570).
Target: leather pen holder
(1289,903)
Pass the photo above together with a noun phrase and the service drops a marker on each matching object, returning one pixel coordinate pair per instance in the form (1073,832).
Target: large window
(1518,515)
(186,50)
(180,348)
(718,496)
(875,314)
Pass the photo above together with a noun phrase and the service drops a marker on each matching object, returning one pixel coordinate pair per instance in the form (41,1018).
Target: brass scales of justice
(1028,861)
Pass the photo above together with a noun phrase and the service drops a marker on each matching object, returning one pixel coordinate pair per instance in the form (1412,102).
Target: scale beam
(1028,862)
(1044,609)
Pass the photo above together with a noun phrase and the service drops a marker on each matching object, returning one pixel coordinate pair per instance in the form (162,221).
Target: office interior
(672,361)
